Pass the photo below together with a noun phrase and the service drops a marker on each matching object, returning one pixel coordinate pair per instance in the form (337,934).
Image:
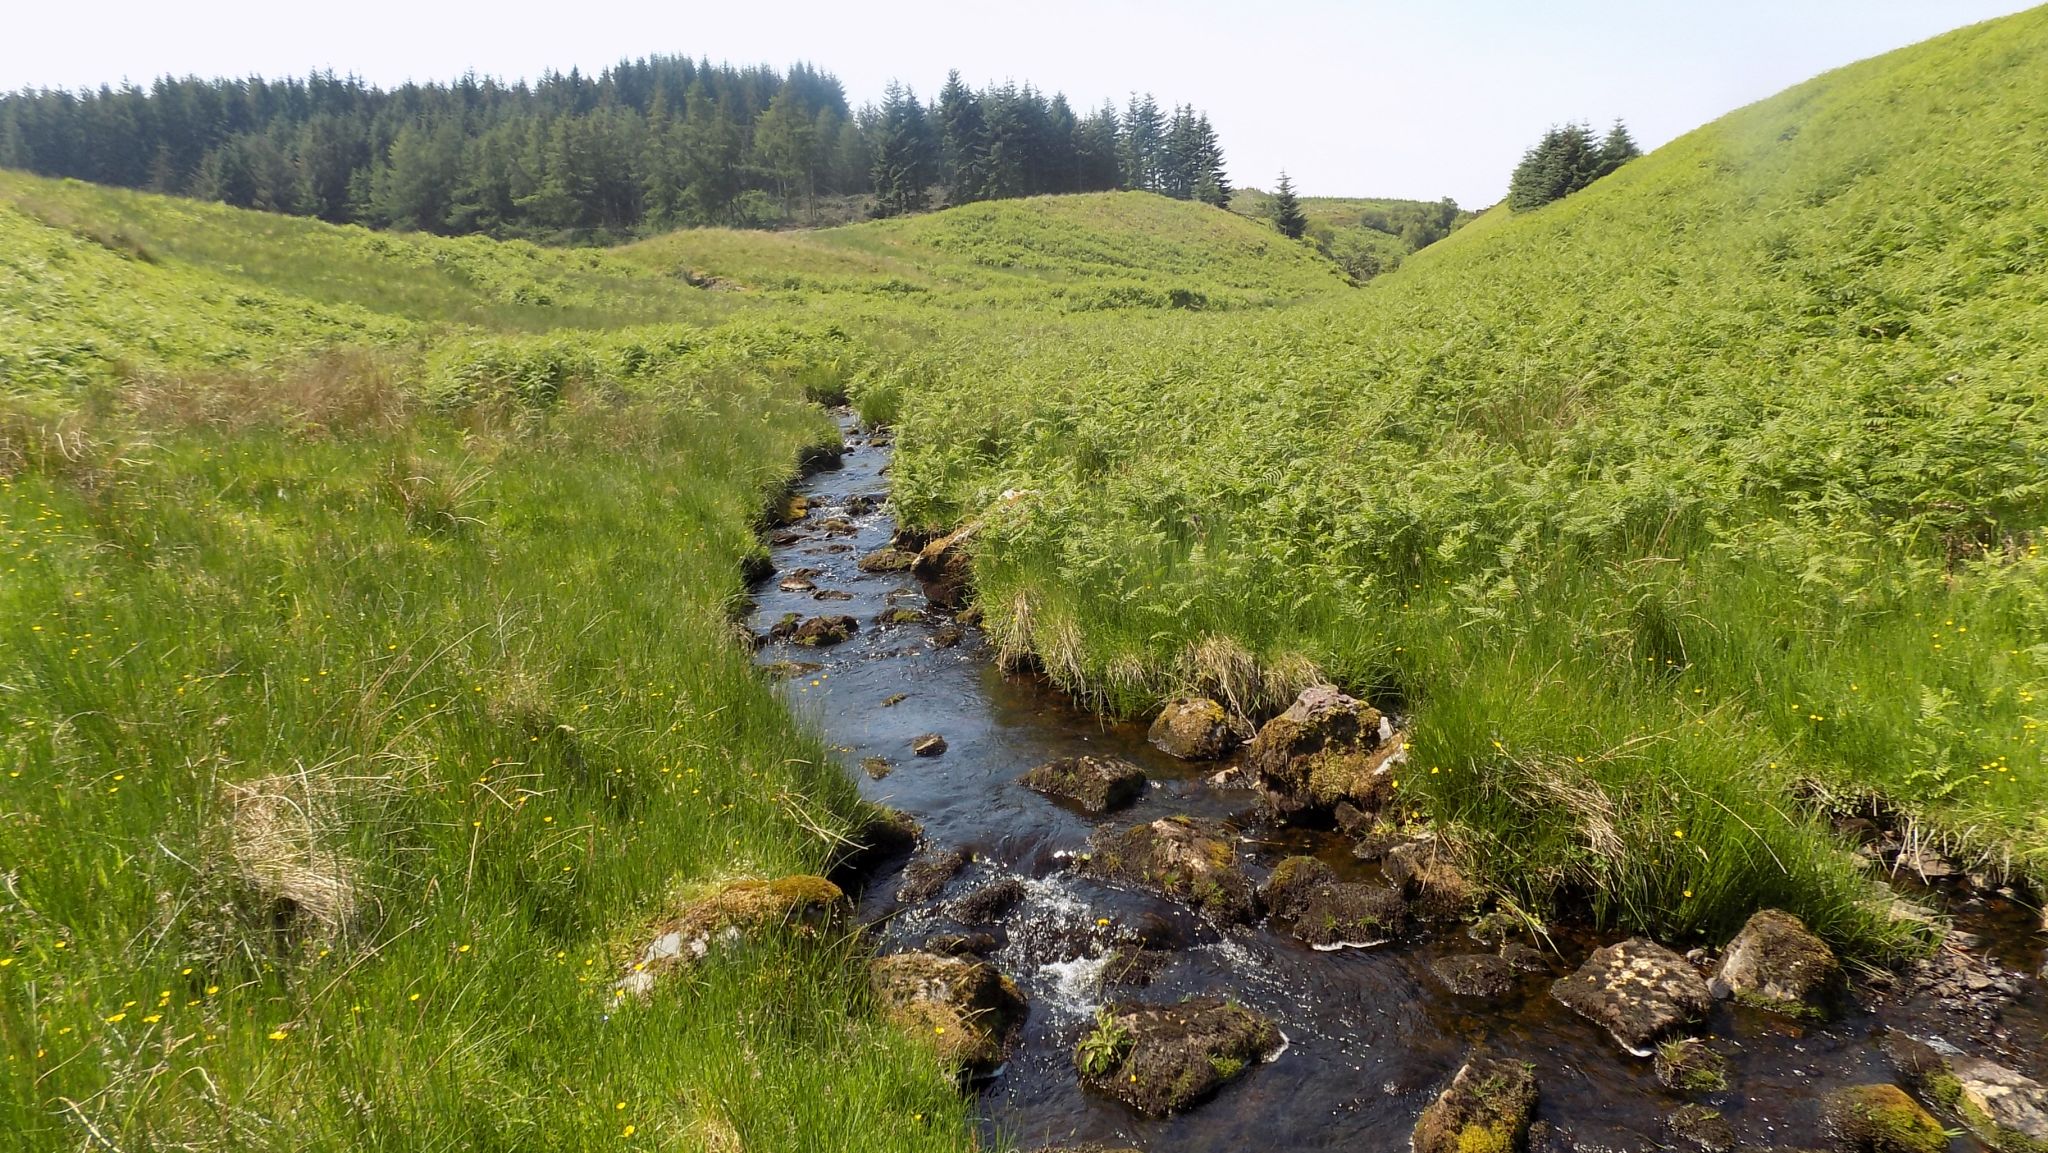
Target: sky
(1360,98)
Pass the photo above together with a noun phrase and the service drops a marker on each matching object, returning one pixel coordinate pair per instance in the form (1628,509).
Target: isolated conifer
(1286,209)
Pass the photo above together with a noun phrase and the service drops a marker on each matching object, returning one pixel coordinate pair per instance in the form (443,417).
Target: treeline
(648,144)
(1566,160)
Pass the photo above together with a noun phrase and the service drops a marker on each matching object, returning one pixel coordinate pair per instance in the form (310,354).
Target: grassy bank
(1719,478)
(368,681)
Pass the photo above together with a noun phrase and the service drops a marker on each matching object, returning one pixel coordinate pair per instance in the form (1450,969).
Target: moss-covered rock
(1429,875)
(1882,1119)
(887,560)
(1097,784)
(1193,729)
(729,913)
(928,873)
(1353,914)
(1776,963)
(830,629)
(1327,748)
(989,902)
(1162,1059)
(1689,1065)
(1485,1109)
(1288,887)
(1638,990)
(946,567)
(1193,859)
(966,1009)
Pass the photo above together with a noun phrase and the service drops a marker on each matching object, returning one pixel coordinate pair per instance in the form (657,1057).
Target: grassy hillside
(1709,486)
(367,683)
(1364,236)
(1102,251)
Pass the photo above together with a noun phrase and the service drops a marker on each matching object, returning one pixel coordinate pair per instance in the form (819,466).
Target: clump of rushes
(1689,1065)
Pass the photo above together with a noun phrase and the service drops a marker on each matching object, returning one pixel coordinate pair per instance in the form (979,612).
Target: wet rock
(876,767)
(928,745)
(1426,873)
(1475,975)
(1688,1065)
(1192,859)
(1293,879)
(1882,1119)
(899,617)
(928,873)
(964,944)
(1194,729)
(861,504)
(1133,966)
(838,526)
(989,902)
(797,584)
(1638,990)
(946,568)
(1698,1127)
(787,670)
(831,595)
(728,914)
(825,630)
(1097,784)
(785,627)
(884,836)
(1324,749)
(2008,1109)
(1351,914)
(1523,958)
(1485,1109)
(967,1009)
(946,636)
(1775,963)
(785,539)
(887,560)
(894,699)
(1163,1059)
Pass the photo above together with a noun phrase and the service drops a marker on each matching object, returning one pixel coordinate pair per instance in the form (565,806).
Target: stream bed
(1372,1035)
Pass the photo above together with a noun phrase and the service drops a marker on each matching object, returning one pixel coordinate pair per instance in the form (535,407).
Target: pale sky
(1359,98)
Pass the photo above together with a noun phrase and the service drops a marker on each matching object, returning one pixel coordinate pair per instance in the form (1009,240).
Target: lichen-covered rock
(1475,975)
(1776,963)
(1882,1119)
(1698,1127)
(1688,1065)
(1193,859)
(1162,1059)
(2007,1109)
(1638,990)
(925,876)
(825,630)
(727,915)
(1485,1109)
(1097,784)
(1425,872)
(1194,729)
(887,560)
(1292,880)
(1325,749)
(967,1009)
(1350,914)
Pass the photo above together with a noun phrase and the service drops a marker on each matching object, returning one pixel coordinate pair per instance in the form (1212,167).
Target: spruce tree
(1286,210)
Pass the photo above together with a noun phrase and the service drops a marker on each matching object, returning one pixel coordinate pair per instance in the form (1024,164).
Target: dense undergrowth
(1721,480)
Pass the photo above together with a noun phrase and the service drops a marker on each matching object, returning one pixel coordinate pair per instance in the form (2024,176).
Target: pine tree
(904,153)
(1286,210)
(963,142)
(1618,149)
(1143,139)
(783,147)
(1564,161)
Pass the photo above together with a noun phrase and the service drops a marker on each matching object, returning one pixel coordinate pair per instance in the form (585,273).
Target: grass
(1715,485)
(369,680)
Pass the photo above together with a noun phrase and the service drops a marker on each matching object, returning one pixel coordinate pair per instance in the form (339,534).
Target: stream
(1372,1036)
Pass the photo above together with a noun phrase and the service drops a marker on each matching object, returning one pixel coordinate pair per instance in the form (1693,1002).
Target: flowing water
(1372,1036)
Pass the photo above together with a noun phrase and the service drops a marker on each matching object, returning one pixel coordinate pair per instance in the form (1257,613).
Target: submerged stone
(966,1009)
(989,902)
(1097,784)
(1485,1109)
(1325,749)
(1475,975)
(1688,1065)
(1775,963)
(1638,990)
(1194,729)
(1882,1119)
(1193,859)
(1698,1127)
(1163,1059)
